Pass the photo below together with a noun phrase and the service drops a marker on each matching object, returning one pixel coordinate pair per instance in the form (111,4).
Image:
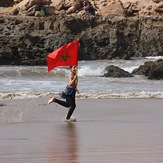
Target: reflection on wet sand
(64,146)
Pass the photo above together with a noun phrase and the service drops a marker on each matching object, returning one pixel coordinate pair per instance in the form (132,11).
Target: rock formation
(27,41)
(151,69)
(120,29)
(29,7)
(116,72)
(6,3)
(103,7)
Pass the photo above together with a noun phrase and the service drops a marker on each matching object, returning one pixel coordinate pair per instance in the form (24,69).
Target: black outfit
(70,102)
(90,10)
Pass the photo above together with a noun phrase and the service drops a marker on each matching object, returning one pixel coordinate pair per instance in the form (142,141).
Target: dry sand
(106,131)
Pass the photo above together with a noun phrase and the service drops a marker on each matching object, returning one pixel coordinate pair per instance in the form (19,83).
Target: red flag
(66,55)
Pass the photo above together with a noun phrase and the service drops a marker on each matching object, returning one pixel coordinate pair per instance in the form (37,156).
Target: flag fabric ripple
(66,55)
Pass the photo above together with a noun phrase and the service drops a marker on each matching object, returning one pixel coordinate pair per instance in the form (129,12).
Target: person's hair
(71,67)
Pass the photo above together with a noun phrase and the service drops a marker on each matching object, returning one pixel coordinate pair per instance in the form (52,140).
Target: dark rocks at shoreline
(151,69)
(116,72)
(27,40)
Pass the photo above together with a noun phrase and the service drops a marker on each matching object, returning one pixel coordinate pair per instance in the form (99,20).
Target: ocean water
(113,130)
(34,81)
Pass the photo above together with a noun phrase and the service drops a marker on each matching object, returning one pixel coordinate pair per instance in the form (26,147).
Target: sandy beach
(106,131)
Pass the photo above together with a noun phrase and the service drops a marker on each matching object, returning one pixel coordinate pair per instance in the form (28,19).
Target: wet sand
(106,131)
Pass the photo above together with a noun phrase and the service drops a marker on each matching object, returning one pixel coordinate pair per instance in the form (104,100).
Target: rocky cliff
(27,40)
(6,3)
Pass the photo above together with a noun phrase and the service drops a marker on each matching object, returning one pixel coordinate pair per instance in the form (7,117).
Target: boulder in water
(116,72)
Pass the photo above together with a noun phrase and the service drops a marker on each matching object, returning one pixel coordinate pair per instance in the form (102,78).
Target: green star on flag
(65,57)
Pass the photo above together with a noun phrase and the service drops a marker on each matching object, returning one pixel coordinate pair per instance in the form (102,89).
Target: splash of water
(11,116)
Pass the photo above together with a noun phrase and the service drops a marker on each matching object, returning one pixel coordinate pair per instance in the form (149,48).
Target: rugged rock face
(102,7)
(29,7)
(151,69)
(28,40)
(6,3)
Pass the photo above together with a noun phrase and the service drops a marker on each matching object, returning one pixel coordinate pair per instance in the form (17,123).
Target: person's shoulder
(70,75)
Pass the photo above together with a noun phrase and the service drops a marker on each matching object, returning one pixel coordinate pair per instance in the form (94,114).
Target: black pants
(70,102)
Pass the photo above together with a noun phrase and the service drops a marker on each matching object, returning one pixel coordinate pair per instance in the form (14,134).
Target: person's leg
(72,103)
(63,103)
(60,102)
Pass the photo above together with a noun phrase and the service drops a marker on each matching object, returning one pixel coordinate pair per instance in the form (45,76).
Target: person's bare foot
(72,119)
(51,100)
(67,120)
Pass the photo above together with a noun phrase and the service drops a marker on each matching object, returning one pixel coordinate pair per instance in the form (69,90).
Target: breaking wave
(18,82)
(99,95)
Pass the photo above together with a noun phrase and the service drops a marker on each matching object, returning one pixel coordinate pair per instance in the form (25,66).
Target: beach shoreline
(106,130)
